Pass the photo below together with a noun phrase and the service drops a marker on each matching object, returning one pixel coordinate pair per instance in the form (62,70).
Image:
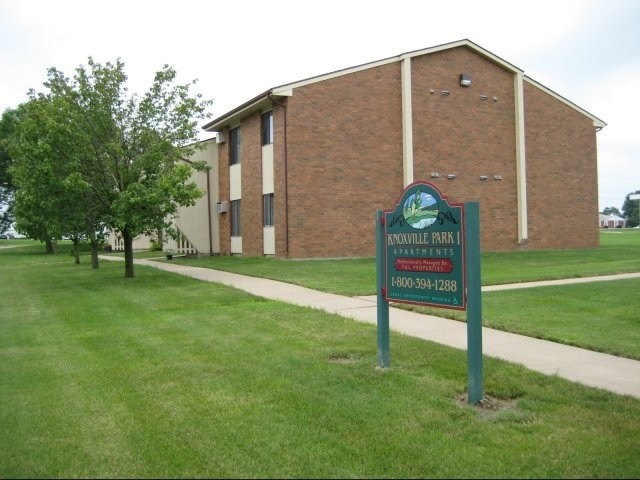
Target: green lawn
(601,316)
(619,252)
(165,376)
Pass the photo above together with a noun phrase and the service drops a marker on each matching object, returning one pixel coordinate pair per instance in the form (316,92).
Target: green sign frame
(423,217)
(424,240)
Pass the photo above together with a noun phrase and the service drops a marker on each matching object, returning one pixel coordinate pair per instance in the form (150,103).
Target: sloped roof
(611,217)
(264,99)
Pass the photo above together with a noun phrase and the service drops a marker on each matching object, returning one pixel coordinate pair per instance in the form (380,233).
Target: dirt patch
(343,359)
(488,407)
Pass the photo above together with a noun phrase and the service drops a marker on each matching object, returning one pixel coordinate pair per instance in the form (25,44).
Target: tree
(7,126)
(611,211)
(51,200)
(630,210)
(130,148)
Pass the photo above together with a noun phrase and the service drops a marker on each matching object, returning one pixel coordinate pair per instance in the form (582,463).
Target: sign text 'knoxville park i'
(424,249)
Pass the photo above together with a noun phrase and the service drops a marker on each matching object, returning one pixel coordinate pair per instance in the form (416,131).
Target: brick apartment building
(303,167)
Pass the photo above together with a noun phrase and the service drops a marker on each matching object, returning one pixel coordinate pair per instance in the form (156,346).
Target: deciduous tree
(51,198)
(7,126)
(129,149)
(611,211)
(631,209)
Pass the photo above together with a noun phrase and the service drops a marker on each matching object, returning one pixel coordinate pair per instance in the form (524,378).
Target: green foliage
(7,127)
(611,211)
(52,198)
(155,246)
(631,210)
(116,159)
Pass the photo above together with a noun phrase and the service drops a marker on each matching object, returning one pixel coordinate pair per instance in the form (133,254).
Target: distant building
(611,221)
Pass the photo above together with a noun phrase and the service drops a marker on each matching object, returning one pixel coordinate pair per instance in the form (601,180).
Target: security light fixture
(451,176)
(435,175)
(465,80)
(497,177)
(445,92)
(483,177)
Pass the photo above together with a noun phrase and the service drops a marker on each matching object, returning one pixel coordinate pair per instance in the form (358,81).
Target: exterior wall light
(465,80)
(483,177)
(497,177)
(451,176)
(445,92)
(435,174)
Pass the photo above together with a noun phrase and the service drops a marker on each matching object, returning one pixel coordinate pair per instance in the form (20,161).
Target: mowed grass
(165,376)
(619,252)
(601,316)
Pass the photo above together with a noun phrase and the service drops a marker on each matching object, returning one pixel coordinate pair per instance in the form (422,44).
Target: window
(234,146)
(267,210)
(236,230)
(267,128)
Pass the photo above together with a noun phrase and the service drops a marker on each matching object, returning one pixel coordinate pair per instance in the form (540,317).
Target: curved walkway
(599,370)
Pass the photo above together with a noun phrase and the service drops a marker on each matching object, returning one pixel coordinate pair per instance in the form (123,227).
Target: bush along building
(302,168)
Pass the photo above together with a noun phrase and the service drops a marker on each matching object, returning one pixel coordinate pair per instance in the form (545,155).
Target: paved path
(616,374)
(564,281)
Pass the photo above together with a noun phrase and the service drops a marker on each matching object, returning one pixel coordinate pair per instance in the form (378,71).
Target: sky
(585,50)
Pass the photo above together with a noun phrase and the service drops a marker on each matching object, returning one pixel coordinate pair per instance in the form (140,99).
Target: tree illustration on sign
(420,210)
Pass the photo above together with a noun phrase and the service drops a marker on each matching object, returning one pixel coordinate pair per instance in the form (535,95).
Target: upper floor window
(267,128)
(234,146)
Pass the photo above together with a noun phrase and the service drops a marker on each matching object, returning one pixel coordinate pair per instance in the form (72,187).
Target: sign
(425,247)
(424,244)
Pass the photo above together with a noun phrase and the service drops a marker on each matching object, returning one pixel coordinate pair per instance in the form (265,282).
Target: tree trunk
(50,249)
(94,251)
(76,250)
(128,252)
(161,237)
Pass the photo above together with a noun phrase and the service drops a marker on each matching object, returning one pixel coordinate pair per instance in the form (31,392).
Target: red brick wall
(344,161)
(562,177)
(251,162)
(464,135)
(251,188)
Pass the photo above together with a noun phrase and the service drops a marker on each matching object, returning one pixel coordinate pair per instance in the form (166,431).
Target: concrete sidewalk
(616,374)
